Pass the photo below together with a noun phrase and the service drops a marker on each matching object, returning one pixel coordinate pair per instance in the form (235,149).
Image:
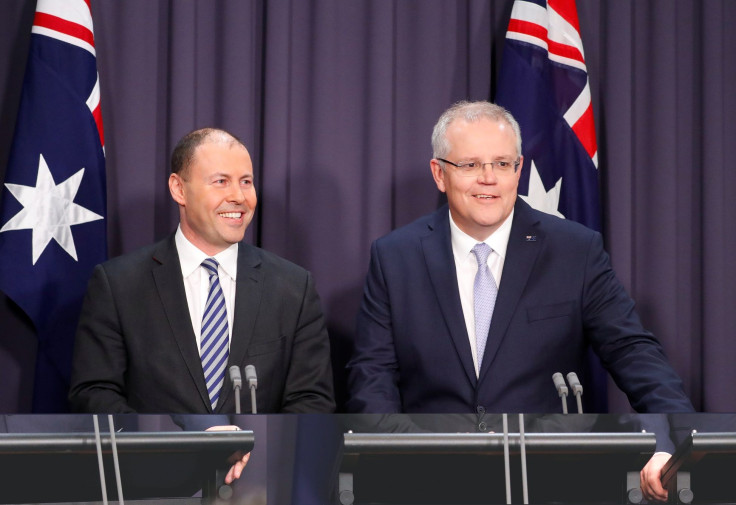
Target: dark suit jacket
(557,296)
(135,348)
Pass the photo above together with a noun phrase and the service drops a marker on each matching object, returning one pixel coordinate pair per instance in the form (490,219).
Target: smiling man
(473,308)
(160,327)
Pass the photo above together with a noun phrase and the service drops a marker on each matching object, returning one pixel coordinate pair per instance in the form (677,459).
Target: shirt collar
(462,243)
(191,257)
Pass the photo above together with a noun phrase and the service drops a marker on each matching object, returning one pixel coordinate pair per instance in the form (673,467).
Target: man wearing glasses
(438,333)
(473,308)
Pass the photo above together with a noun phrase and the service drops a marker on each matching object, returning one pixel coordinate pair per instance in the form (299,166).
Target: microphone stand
(100,465)
(116,461)
(506,465)
(522,445)
(253,398)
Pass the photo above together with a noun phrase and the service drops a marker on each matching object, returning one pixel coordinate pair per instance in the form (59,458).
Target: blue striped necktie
(484,298)
(214,343)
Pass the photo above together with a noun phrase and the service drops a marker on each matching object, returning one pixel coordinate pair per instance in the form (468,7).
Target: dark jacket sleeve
(100,359)
(374,369)
(308,387)
(632,355)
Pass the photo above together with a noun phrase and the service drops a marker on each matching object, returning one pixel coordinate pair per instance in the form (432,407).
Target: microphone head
(250,376)
(572,379)
(559,383)
(235,377)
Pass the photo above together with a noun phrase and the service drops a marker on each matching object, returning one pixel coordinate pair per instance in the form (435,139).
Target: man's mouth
(231,215)
(484,197)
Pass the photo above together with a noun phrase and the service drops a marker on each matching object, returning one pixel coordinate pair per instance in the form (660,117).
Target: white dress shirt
(466,267)
(197,280)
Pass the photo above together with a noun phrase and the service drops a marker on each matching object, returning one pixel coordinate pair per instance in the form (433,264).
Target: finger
(651,487)
(228,427)
(230,477)
(237,469)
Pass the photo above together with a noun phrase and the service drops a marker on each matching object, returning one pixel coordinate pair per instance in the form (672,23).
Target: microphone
(252,380)
(561,389)
(577,389)
(237,381)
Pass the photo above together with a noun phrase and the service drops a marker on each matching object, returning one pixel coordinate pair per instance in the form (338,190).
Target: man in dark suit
(556,294)
(200,300)
(474,307)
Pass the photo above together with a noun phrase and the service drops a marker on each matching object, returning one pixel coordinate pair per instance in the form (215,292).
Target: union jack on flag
(543,82)
(52,212)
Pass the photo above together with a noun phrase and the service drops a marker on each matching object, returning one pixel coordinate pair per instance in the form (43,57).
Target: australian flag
(543,82)
(53,207)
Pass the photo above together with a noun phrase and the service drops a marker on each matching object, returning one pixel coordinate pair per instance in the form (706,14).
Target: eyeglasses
(475,168)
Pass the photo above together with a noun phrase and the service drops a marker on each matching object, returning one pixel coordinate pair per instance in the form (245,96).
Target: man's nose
(487,175)
(237,194)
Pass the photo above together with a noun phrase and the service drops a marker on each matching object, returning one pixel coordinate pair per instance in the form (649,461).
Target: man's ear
(517,173)
(176,188)
(438,174)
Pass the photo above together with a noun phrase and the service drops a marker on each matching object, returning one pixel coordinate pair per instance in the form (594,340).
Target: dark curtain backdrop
(336,101)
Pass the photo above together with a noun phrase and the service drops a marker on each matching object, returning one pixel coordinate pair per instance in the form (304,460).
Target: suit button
(480,409)
(482,426)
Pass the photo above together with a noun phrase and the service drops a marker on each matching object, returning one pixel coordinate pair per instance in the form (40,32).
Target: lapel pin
(531,238)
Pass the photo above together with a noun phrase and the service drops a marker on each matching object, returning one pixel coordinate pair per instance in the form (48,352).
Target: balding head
(183,154)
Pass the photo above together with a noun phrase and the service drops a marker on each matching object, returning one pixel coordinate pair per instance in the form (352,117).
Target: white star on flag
(540,198)
(49,210)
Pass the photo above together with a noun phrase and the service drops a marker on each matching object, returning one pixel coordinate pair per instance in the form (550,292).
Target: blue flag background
(56,123)
(543,82)
(539,86)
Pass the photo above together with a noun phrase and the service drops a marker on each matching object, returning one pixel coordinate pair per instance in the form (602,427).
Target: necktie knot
(210,264)
(482,251)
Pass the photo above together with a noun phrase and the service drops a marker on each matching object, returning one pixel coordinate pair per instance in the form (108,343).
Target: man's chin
(234,239)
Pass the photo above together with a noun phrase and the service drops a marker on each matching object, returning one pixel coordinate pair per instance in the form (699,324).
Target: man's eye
(471,164)
(503,164)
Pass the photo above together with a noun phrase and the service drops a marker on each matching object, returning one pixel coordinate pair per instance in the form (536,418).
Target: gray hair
(470,112)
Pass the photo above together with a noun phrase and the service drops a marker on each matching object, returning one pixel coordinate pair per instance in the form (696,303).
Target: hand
(237,469)
(651,485)
(238,460)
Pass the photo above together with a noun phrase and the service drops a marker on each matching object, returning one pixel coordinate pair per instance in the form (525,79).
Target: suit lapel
(525,242)
(170,285)
(438,256)
(248,291)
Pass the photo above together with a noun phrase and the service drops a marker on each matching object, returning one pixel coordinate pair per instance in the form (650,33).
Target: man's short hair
(470,112)
(183,154)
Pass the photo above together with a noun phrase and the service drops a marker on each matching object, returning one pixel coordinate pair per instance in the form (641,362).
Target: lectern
(463,468)
(45,468)
(702,469)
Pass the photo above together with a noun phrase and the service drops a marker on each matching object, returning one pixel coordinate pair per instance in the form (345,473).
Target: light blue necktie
(214,342)
(484,298)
